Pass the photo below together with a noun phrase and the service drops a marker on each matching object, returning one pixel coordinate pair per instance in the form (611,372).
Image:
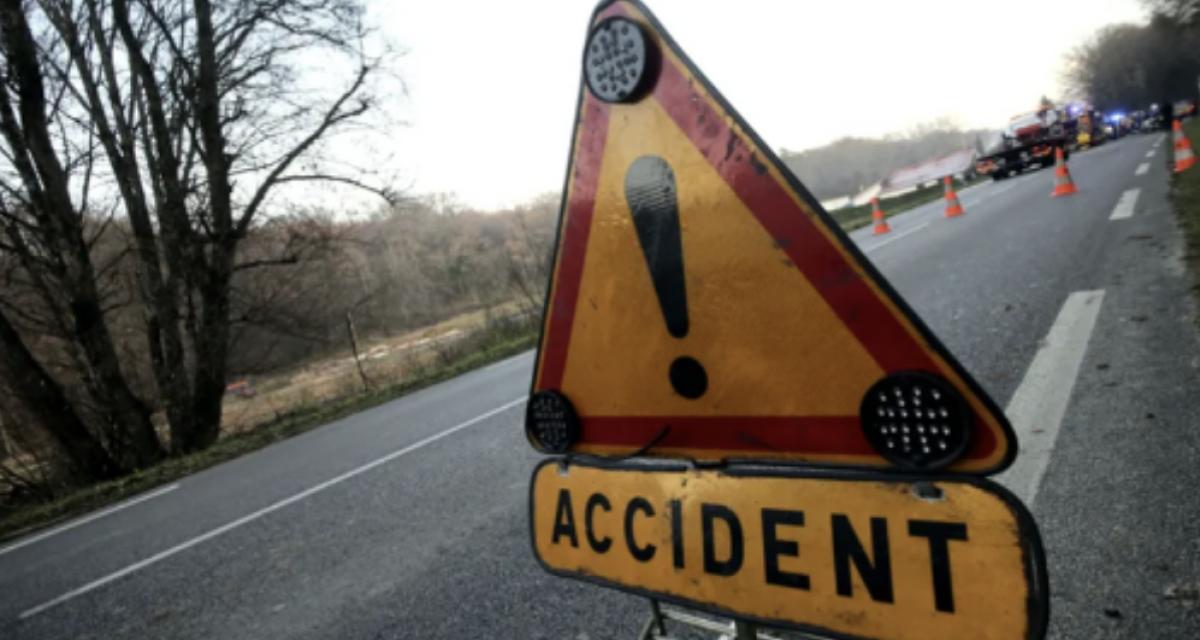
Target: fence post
(5,448)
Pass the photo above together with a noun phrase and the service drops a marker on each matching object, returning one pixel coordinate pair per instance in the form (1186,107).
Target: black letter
(773,547)
(677,533)
(939,556)
(641,554)
(709,512)
(599,545)
(876,576)
(564,519)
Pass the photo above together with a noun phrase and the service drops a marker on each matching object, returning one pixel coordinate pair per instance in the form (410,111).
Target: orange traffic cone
(953,207)
(1063,186)
(1184,158)
(881,225)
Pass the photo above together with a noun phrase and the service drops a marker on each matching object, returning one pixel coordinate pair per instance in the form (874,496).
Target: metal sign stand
(744,631)
(656,626)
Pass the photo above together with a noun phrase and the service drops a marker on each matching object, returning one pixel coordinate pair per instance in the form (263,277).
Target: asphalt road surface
(409,520)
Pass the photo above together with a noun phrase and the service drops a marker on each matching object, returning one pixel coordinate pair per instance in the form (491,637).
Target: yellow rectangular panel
(855,556)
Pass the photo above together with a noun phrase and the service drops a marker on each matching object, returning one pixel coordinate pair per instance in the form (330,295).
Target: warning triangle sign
(703,305)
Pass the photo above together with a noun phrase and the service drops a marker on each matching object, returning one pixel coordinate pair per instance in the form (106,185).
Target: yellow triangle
(760,330)
(793,343)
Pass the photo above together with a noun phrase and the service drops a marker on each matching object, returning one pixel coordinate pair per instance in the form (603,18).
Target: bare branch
(269,262)
(333,116)
(387,195)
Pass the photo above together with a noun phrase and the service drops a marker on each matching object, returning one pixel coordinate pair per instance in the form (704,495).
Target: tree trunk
(212,350)
(212,337)
(163,284)
(130,430)
(45,400)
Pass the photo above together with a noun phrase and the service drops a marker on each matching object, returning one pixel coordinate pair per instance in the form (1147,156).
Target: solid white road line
(88,518)
(1125,204)
(504,363)
(183,546)
(1142,169)
(1040,403)
(897,237)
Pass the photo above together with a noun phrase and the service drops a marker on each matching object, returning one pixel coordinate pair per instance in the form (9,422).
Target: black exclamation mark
(653,201)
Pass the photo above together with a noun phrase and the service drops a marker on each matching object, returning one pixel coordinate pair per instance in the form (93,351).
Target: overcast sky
(492,85)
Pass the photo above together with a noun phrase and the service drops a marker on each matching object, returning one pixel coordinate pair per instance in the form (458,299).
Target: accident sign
(703,305)
(865,556)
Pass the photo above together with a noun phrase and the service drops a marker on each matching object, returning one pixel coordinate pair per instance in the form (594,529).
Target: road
(409,519)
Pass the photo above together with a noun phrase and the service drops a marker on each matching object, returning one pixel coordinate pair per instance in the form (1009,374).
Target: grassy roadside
(490,348)
(852,218)
(1185,196)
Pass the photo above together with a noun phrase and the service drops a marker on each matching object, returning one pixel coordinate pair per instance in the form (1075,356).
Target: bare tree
(530,252)
(45,231)
(182,119)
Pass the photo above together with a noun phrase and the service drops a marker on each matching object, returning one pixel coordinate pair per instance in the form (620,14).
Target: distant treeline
(1127,66)
(848,165)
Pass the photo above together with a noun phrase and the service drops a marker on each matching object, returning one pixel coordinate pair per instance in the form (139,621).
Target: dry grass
(289,404)
(386,363)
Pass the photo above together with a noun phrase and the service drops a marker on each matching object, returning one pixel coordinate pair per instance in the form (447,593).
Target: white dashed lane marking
(1125,205)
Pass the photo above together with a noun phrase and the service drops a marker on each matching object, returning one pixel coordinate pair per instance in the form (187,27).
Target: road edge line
(275,506)
(1039,405)
(86,518)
